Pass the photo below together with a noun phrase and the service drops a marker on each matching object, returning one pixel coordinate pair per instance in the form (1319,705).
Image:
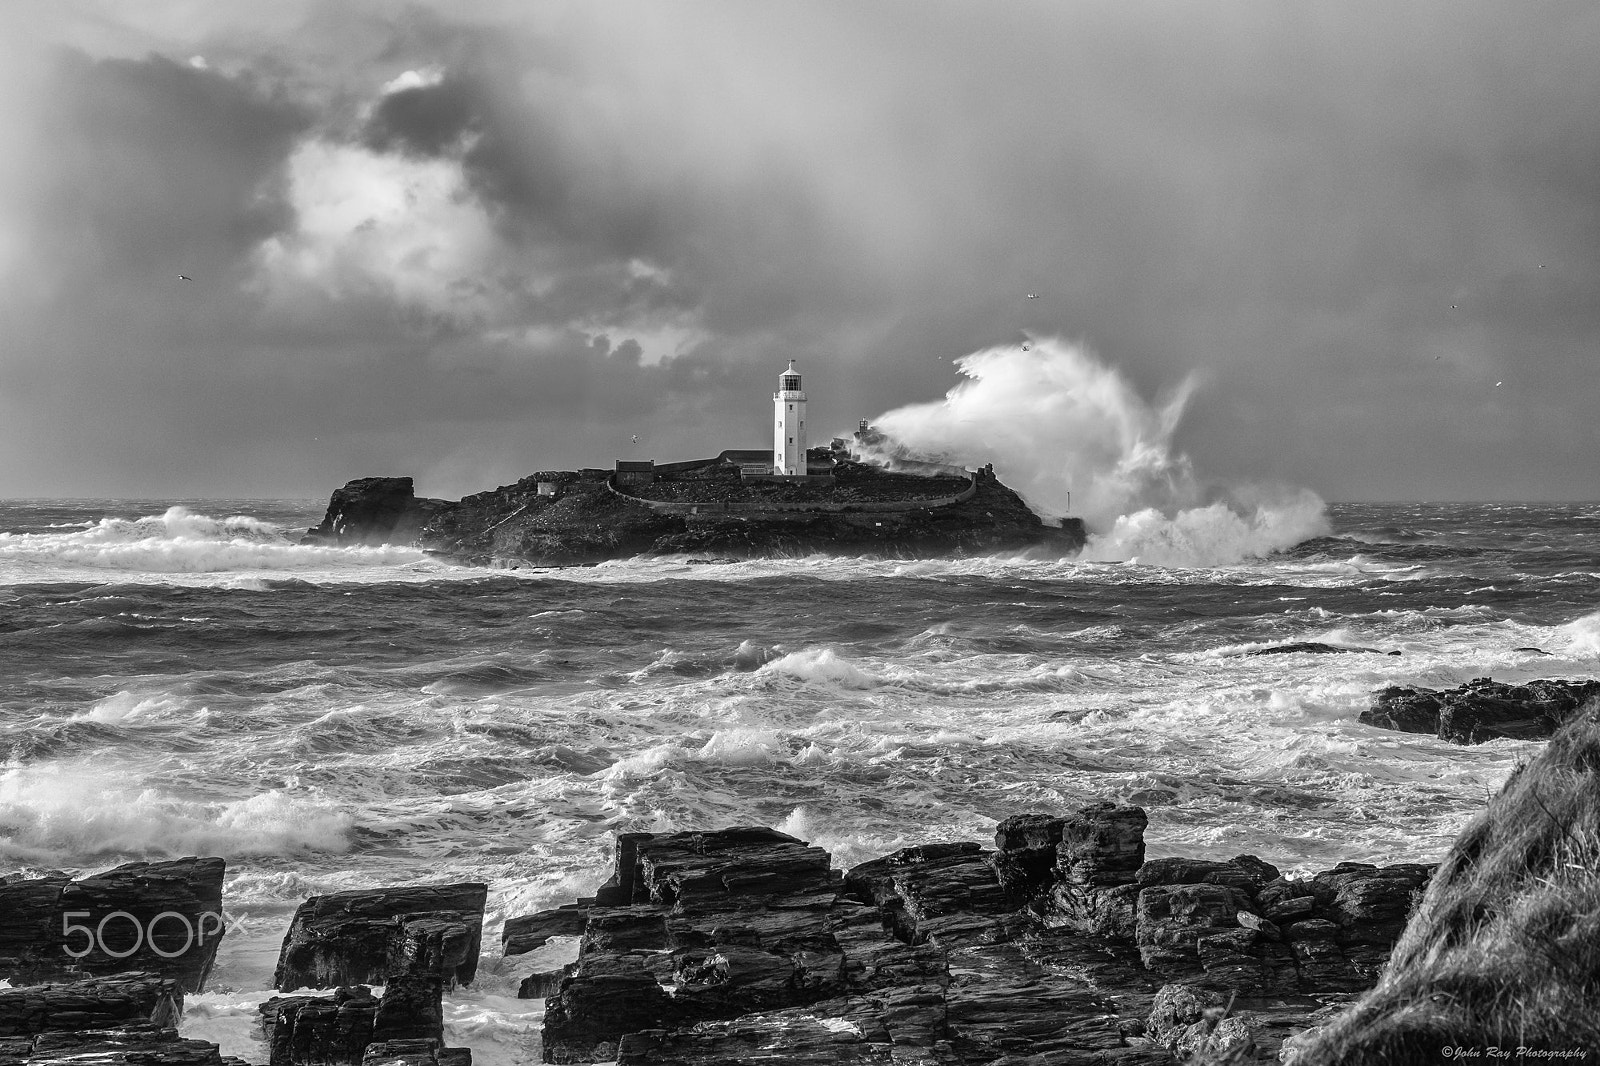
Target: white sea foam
(1074,437)
(181,542)
(128,708)
(74,813)
(742,747)
(1582,636)
(822,666)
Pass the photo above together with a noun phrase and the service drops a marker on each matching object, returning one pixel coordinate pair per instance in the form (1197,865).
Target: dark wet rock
(530,932)
(366,936)
(1482,709)
(544,983)
(137,1045)
(343,1028)
(157,917)
(1315,647)
(1049,949)
(1097,863)
(415,1053)
(683,867)
(334,1030)
(375,510)
(112,1002)
(1246,873)
(1025,854)
(1102,844)
(935,890)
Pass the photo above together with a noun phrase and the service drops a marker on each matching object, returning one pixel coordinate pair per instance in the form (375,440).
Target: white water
(1074,437)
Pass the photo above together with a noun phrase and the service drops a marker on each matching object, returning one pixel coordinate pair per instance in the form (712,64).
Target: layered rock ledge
(1061,946)
(161,917)
(1482,709)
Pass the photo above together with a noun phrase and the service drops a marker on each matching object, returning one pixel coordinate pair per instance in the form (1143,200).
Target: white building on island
(789,425)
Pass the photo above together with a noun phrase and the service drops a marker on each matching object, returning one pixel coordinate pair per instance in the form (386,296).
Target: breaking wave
(1074,437)
(181,541)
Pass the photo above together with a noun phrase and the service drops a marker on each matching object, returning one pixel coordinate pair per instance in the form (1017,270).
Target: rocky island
(785,500)
(567,517)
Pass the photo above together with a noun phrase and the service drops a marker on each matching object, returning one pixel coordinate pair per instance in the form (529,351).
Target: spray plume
(1073,437)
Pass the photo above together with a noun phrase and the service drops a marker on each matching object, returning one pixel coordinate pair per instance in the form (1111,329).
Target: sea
(183,677)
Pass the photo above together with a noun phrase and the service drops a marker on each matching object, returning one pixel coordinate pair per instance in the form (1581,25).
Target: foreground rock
(1504,951)
(128,1018)
(353,1027)
(161,917)
(375,510)
(90,1003)
(371,936)
(1481,709)
(1062,944)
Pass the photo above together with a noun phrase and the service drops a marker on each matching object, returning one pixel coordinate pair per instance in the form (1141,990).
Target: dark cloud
(424,119)
(150,168)
(1288,198)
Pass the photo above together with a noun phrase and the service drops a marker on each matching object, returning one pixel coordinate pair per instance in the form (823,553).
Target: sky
(467,241)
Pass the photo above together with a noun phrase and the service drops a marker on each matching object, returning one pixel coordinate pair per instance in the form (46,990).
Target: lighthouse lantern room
(789,425)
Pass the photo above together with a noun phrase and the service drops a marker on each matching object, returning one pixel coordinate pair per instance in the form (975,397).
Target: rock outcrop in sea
(375,510)
(1482,709)
(567,517)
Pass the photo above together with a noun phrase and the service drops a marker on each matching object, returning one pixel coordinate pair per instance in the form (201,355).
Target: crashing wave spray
(1073,437)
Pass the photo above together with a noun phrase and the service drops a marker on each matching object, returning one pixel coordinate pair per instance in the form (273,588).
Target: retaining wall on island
(823,507)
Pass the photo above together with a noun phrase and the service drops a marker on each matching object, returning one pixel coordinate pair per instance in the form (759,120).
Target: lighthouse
(789,425)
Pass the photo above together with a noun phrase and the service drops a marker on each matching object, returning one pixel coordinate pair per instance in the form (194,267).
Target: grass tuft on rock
(1504,950)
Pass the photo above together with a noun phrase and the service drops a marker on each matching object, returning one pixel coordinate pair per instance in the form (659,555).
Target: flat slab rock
(126,1018)
(156,917)
(1480,710)
(368,936)
(143,1045)
(90,1003)
(1062,947)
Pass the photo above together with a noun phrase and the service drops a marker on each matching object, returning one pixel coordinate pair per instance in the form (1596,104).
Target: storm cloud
(469,241)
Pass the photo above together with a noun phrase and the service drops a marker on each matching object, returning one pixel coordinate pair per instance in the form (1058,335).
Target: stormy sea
(182,677)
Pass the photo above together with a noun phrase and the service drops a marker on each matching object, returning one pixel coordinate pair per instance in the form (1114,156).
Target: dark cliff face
(375,510)
(562,518)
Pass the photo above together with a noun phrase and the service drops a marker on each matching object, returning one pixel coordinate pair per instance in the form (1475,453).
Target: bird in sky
(636,438)
(1033,296)
(184,277)
(1498,384)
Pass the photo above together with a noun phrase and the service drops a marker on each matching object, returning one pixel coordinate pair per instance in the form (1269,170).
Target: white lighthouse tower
(789,425)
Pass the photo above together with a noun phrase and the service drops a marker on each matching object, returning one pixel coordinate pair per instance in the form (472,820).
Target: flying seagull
(1033,296)
(184,277)
(1498,384)
(636,438)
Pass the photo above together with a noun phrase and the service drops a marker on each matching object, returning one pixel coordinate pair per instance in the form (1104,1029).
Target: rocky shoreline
(1061,945)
